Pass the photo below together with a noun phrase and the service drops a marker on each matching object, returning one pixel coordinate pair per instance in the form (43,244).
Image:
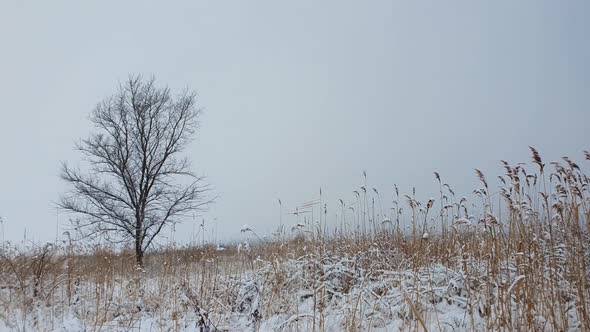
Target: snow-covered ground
(323,293)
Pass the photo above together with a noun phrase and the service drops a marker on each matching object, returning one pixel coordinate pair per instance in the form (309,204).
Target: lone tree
(136,181)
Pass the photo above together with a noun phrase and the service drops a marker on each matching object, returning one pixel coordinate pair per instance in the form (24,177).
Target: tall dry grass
(515,257)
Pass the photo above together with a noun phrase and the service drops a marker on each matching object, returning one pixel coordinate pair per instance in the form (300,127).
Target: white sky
(297,95)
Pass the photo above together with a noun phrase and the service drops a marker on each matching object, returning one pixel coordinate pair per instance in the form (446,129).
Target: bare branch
(133,185)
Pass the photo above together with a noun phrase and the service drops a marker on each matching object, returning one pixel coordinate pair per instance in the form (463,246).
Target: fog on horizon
(297,96)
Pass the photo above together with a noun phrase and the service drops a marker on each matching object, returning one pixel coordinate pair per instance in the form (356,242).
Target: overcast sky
(297,95)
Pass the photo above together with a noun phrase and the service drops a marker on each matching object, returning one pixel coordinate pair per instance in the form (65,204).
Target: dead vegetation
(516,257)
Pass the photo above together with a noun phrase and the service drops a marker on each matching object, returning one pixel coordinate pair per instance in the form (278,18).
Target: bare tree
(136,183)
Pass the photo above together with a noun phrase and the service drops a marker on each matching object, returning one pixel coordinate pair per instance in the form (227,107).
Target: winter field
(510,258)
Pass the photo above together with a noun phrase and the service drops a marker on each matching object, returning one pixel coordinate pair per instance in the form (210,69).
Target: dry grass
(518,260)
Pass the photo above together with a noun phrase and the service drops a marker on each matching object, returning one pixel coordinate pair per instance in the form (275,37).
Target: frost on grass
(520,264)
(329,292)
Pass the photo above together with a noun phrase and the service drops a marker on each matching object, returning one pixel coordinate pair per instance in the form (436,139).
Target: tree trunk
(138,245)
(138,253)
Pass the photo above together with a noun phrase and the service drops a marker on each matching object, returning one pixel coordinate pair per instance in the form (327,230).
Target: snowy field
(513,260)
(376,290)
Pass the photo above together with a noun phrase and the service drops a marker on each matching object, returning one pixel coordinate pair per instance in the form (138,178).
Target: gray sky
(297,95)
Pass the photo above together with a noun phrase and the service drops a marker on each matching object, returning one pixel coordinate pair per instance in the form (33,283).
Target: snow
(344,293)
(332,292)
